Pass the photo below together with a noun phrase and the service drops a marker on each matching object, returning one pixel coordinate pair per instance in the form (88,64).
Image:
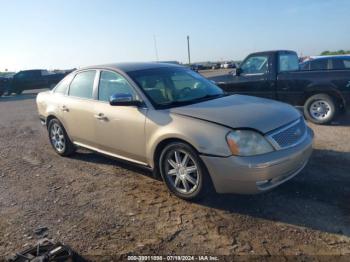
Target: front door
(254,79)
(120,130)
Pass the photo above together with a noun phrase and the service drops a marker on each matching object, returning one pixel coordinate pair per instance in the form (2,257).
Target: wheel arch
(49,118)
(162,144)
(53,116)
(327,90)
(203,136)
(159,148)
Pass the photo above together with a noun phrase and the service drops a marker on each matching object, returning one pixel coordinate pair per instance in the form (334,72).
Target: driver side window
(255,65)
(112,83)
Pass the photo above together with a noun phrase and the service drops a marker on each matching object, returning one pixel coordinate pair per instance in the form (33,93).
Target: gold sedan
(179,124)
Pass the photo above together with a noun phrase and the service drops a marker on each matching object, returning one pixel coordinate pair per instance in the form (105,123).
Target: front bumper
(255,174)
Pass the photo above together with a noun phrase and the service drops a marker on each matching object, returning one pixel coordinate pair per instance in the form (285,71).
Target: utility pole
(188,50)
(155,47)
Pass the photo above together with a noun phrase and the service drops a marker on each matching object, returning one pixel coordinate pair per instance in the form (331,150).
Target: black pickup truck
(33,79)
(5,81)
(277,75)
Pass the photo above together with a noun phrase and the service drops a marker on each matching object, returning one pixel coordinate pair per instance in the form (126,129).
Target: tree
(339,52)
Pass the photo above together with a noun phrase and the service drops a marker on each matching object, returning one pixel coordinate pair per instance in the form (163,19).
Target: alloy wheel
(182,171)
(320,109)
(57,138)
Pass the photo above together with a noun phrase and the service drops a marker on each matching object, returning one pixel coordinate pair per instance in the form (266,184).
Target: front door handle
(64,109)
(101,116)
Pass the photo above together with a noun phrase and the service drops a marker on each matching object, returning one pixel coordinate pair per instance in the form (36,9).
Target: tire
(320,109)
(185,178)
(59,139)
(1,93)
(18,92)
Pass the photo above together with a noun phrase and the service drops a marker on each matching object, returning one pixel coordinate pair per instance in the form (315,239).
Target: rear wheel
(320,109)
(1,93)
(59,138)
(183,171)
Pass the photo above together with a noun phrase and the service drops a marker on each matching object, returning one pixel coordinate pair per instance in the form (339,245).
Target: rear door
(78,108)
(256,77)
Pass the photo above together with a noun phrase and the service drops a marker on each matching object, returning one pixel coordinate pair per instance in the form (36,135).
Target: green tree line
(339,52)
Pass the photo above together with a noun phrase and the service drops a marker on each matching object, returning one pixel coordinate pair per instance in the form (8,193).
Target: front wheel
(183,171)
(320,109)
(59,138)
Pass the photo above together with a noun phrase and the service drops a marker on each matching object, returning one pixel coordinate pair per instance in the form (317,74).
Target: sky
(74,33)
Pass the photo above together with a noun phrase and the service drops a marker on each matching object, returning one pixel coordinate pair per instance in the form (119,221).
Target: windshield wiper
(208,97)
(196,100)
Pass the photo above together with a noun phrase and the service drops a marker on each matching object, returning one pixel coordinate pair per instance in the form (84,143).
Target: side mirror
(236,72)
(123,100)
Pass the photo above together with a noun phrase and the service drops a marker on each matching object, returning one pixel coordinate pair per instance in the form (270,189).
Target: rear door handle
(101,116)
(64,109)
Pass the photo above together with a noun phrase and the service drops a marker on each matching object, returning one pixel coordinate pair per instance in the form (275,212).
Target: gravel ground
(101,206)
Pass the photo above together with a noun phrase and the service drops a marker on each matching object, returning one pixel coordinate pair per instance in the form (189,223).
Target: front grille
(289,135)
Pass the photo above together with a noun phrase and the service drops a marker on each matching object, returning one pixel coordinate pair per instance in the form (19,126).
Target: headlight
(247,143)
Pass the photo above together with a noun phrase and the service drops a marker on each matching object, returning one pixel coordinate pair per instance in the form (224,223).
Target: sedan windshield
(174,86)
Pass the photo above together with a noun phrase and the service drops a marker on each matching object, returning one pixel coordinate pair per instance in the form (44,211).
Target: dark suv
(327,63)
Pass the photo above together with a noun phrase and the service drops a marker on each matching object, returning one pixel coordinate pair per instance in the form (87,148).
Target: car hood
(239,111)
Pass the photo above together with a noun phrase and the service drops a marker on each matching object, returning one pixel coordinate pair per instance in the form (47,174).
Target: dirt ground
(101,206)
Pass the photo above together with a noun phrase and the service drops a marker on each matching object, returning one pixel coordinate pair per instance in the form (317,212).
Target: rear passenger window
(288,62)
(112,83)
(61,87)
(337,64)
(319,64)
(347,63)
(341,63)
(83,84)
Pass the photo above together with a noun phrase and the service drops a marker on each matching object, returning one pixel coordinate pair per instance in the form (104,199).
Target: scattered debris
(44,251)
(245,248)
(40,230)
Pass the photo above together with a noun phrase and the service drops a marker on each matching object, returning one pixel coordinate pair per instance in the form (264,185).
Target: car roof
(129,67)
(332,57)
(326,58)
(32,70)
(272,51)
